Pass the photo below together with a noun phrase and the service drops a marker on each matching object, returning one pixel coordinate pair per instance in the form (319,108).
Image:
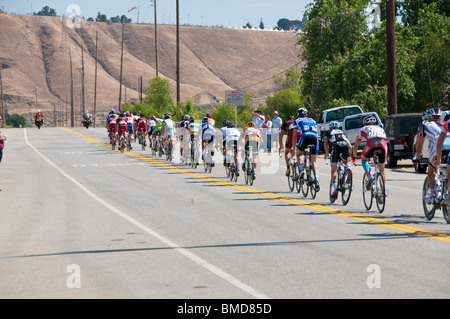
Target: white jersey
(370,132)
(233,134)
(168,127)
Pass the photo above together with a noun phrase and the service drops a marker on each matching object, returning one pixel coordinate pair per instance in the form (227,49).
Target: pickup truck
(334,114)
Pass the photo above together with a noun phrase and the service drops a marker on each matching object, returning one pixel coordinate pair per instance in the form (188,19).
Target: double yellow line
(359,217)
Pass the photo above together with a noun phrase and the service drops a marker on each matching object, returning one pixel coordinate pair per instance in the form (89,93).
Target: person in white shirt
(266,129)
(277,122)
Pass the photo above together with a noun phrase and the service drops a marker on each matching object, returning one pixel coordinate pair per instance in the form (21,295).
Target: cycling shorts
(208,136)
(254,145)
(337,149)
(112,127)
(307,140)
(290,139)
(130,128)
(122,129)
(378,145)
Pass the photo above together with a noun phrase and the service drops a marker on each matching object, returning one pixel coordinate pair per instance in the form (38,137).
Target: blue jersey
(207,131)
(306,126)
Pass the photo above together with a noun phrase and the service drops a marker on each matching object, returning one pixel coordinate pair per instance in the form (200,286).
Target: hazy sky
(196,12)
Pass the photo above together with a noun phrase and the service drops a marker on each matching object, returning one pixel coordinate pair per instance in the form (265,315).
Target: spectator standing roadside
(277,122)
(266,129)
(258,119)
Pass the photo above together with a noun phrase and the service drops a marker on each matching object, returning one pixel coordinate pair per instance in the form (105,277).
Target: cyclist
(142,127)
(208,138)
(151,129)
(167,130)
(193,132)
(252,138)
(123,126)
(308,127)
(288,128)
(443,147)
(130,123)
(183,132)
(135,124)
(337,141)
(111,123)
(375,138)
(430,130)
(223,133)
(232,138)
(38,117)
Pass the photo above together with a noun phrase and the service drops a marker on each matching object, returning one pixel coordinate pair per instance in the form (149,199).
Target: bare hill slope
(34,55)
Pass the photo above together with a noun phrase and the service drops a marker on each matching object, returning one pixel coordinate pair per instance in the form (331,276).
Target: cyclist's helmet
(208,115)
(225,123)
(435,112)
(166,116)
(230,125)
(185,117)
(192,118)
(425,115)
(112,111)
(302,112)
(252,124)
(370,120)
(334,125)
(205,120)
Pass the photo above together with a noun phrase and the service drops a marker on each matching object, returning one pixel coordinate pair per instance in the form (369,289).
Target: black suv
(400,131)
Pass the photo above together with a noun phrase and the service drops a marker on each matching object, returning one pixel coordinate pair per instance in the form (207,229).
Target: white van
(352,125)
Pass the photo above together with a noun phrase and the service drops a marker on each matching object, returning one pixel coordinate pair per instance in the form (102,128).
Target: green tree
(101,17)
(46,11)
(15,120)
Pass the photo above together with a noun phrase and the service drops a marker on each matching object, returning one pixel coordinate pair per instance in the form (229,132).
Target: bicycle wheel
(428,209)
(252,173)
(247,170)
(332,199)
(380,193)
(169,151)
(303,183)
(367,193)
(291,178)
(312,182)
(445,209)
(346,186)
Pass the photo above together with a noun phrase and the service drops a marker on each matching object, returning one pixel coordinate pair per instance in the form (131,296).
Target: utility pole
(156,40)
(178,51)
(95,82)
(1,95)
(121,67)
(82,79)
(390,57)
(72,122)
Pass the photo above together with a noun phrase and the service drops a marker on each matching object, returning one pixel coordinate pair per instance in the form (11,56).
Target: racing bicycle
(344,179)
(441,201)
(374,188)
(307,177)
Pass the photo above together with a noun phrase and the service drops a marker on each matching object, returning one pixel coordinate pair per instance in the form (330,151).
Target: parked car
(334,114)
(352,125)
(400,132)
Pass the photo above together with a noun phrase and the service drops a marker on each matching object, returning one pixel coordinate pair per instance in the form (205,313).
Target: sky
(195,12)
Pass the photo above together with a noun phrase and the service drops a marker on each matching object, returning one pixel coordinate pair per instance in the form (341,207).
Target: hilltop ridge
(34,55)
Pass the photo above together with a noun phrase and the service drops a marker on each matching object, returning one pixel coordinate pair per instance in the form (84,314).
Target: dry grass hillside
(34,55)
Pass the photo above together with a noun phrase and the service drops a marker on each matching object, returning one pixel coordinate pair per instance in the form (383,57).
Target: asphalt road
(79,220)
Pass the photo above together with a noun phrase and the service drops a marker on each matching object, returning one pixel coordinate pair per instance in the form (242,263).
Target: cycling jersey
(168,127)
(288,127)
(252,138)
(123,125)
(308,128)
(375,138)
(151,126)
(142,124)
(339,144)
(208,132)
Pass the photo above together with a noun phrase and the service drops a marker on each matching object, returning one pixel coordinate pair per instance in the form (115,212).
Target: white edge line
(201,262)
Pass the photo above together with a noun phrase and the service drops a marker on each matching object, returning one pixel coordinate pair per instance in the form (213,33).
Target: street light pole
(156,39)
